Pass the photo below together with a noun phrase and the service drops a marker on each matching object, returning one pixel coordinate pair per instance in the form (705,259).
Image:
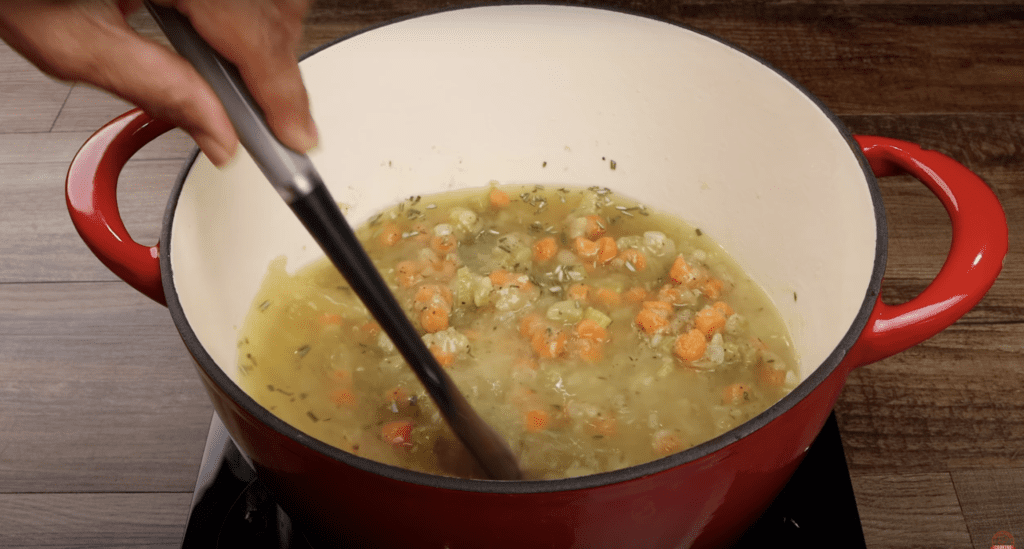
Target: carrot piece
(530,325)
(589,350)
(590,329)
(595,227)
(634,258)
(607,249)
(585,248)
(397,433)
(330,319)
(500,277)
(723,307)
(444,244)
(691,345)
(665,442)
(737,393)
(549,343)
(434,318)
(771,377)
(544,249)
(536,420)
(713,288)
(607,297)
(578,291)
(408,273)
(651,321)
(344,397)
(680,272)
(709,320)
(390,234)
(636,294)
(369,330)
(444,358)
(498,198)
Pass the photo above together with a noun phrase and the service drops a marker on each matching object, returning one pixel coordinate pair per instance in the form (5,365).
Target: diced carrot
(590,329)
(549,343)
(536,420)
(665,442)
(500,277)
(589,350)
(709,320)
(595,227)
(530,325)
(370,329)
(330,319)
(344,397)
(408,273)
(713,288)
(498,198)
(771,377)
(680,272)
(444,358)
(444,244)
(736,393)
(608,298)
(723,307)
(585,248)
(607,249)
(390,234)
(434,318)
(578,291)
(651,321)
(634,258)
(636,294)
(691,345)
(544,249)
(397,433)
(669,294)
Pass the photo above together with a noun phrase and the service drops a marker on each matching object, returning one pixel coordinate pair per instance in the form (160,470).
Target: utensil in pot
(296,179)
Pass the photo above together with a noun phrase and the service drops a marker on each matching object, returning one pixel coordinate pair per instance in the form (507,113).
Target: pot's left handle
(91,192)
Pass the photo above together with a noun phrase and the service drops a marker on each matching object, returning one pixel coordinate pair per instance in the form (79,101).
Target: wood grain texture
(155,520)
(913,511)
(97,392)
(982,495)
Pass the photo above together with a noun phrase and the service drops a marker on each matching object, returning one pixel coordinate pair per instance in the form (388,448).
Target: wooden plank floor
(103,420)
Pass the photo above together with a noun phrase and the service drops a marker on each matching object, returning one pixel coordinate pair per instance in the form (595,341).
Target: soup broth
(590,331)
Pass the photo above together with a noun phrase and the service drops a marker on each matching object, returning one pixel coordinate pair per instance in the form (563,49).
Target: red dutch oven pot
(554,94)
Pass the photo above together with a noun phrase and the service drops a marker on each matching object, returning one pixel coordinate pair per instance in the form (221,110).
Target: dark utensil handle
(291,173)
(298,182)
(322,218)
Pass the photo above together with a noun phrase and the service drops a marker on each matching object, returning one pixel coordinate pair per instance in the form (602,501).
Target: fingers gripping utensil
(297,181)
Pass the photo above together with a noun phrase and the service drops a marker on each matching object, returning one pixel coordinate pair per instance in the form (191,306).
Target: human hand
(89,41)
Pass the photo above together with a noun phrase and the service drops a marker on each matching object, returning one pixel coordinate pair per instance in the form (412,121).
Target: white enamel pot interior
(544,94)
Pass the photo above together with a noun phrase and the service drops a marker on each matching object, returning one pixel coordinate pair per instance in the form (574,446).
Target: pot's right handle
(91,193)
(975,256)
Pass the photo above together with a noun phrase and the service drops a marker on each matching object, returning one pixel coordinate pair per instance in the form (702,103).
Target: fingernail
(217,152)
(307,136)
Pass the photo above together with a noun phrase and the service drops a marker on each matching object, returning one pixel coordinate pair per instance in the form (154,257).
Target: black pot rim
(805,388)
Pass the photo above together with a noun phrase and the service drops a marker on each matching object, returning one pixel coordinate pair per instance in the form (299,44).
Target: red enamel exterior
(705,502)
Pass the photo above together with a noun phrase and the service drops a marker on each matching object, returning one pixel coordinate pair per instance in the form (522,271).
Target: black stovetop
(231,508)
